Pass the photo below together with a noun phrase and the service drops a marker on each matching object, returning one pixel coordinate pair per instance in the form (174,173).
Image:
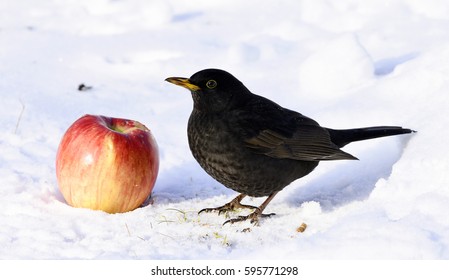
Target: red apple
(107,164)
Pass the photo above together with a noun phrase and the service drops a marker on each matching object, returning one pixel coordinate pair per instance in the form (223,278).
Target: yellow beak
(184,82)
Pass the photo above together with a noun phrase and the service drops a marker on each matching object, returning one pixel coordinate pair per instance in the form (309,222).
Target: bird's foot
(253,217)
(235,203)
(228,207)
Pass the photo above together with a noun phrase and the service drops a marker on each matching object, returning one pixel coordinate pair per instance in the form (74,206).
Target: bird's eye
(211,84)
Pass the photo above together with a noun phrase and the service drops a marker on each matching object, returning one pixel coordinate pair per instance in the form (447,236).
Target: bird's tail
(342,137)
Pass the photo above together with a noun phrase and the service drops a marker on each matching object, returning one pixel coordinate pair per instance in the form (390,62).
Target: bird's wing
(278,132)
(308,143)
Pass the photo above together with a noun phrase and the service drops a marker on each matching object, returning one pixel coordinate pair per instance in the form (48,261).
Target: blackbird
(254,146)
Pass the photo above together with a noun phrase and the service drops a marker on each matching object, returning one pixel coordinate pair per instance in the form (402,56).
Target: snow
(318,77)
(344,63)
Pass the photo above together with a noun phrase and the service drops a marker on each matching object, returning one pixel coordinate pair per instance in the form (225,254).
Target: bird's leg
(231,206)
(254,217)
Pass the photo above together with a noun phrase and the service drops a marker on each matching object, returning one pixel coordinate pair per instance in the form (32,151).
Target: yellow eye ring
(211,84)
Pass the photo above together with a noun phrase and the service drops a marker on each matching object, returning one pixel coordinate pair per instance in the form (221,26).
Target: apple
(107,164)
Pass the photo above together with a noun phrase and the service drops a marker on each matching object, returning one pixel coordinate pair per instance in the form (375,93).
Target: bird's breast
(214,145)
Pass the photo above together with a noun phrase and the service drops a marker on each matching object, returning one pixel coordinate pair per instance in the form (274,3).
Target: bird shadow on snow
(332,184)
(350,180)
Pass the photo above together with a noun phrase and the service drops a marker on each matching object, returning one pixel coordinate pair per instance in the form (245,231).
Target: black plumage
(253,145)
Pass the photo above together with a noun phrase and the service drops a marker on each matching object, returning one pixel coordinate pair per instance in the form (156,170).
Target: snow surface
(344,63)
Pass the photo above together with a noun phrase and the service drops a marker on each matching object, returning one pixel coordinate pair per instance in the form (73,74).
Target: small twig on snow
(20,116)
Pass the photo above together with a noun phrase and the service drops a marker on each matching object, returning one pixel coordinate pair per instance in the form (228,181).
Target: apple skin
(107,164)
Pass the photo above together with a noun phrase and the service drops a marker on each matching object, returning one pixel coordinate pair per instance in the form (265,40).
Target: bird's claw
(228,207)
(235,203)
(221,210)
(253,217)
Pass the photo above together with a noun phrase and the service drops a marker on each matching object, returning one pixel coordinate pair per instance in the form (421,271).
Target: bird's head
(213,90)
